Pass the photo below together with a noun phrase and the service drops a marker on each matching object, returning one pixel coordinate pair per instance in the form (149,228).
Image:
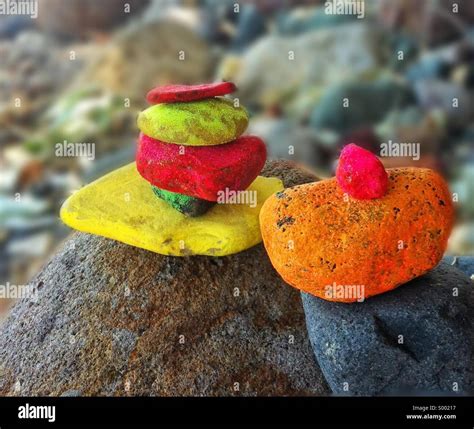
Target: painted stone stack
(194,187)
(190,148)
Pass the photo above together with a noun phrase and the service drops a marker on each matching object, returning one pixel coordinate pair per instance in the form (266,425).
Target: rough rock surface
(201,172)
(197,123)
(346,249)
(359,344)
(111,319)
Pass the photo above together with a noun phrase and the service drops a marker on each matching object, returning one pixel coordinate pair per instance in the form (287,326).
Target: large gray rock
(112,319)
(416,339)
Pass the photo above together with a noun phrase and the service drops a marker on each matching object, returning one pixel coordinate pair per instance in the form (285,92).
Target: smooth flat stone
(122,206)
(328,244)
(189,206)
(202,172)
(196,123)
(183,93)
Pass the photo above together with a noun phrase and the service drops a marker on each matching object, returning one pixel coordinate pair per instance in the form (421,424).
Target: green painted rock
(189,206)
(197,123)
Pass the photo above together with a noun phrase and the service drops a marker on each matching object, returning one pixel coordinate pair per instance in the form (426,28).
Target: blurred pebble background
(80,72)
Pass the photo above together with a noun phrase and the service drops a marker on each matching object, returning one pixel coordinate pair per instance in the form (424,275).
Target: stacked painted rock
(191,157)
(362,233)
(191,150)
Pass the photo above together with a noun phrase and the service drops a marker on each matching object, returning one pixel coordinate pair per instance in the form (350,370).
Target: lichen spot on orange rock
(331,245)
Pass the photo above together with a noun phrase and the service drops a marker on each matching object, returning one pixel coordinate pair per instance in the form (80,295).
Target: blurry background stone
(139,58)
(80,18)
(304,19)
(286,71)
(345,107)
(10,26)
(289,140)
(33,69)
(434,22)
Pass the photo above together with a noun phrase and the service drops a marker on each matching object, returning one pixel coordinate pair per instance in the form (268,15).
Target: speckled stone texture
(115,320)
(359,344)
(316,237)
(196,123)
(202,172)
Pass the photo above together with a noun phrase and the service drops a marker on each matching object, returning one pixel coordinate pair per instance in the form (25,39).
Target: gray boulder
(416,339)
(111,319)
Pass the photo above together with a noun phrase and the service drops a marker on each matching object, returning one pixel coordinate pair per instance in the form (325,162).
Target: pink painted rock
(183,93)
(361,174)
(201,171)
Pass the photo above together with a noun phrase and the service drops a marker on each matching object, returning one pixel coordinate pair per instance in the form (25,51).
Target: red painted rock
(180,93)
(201,171)
(361,174)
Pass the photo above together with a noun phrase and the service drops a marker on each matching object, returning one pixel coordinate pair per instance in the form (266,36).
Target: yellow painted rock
(122,206)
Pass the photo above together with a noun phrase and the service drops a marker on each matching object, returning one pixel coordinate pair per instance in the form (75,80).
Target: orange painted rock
(338,248)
